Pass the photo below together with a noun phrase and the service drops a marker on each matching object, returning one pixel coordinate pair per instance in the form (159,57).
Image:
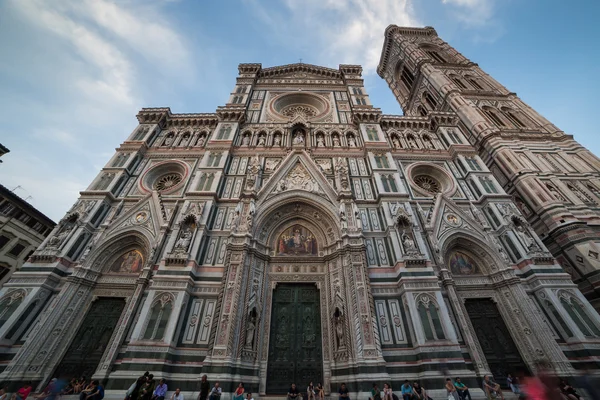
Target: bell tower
(553,179)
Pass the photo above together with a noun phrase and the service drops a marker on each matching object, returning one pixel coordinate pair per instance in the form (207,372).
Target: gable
(298,172)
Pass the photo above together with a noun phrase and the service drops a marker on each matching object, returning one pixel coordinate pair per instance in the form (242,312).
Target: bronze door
(87,348)
(499,349)
(295,339)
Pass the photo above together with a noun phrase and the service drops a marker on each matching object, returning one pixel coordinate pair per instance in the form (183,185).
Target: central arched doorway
(302,242)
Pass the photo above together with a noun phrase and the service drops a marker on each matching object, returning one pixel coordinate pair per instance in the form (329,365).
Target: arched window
(141,133)
(422,111)
(430,320)
(493,116)
(454,137)
(209,182)
(493,217)
(435,56)
(407,79)
(511,115)
(558,320)
(159,318)
(514,252)
(579,315)
(9,305)
(202,182)
(458,81)
(26,314)
(169,139)
(429,101)
(473,82)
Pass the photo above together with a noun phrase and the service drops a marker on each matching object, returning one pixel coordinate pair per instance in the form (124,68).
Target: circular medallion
(141,217)
(452,219)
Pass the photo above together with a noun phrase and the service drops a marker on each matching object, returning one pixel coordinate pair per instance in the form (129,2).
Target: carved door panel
(87,348)
(494,337)
(295,338)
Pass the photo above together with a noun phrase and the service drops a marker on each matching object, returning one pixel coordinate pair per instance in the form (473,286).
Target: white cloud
(82,74)
(340,31)
(474,13)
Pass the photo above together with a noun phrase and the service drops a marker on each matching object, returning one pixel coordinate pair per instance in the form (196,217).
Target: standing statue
(336,141)
(338,321)
(356,211)
(277,140)
(320,141)
(299,137)
(527,240)
(343,218)
(408,243)
(201,141)
(351,141)
(183,243)
(246,140)
(261,140)
(396,143)
(250,332)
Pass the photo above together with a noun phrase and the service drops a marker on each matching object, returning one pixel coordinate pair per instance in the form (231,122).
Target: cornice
(389,34)
(164,117)
(232,113)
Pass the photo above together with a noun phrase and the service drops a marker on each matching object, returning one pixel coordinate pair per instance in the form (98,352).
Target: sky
(74,73)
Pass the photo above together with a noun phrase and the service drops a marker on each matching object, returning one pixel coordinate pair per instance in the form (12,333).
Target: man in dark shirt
(344,392)
(293,393)
(97,393)
(204,388)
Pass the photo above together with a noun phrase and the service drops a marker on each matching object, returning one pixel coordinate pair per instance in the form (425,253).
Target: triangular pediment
(300,71)
(447,217)
(298,172)
(148,214)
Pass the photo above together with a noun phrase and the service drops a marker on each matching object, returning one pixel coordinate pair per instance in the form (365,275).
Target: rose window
(294,110)
(427,183)
(167,181)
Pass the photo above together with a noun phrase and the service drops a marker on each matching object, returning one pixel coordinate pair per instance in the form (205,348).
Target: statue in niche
(338,321)
(201,141)
(298,137)
(185,140)
(57,240)
(183,243)
(478,215)
(250,329)
(261,140)
(336,141)
(351,141)
(356,211)
(169,140)
(236,217)
(277,140)
(412,143)
(250,215)
(246,140)
(343,217)
(500,249)
(252,173)
(320,141)
(396,142)
(408,243)
(428,143)
(527,240)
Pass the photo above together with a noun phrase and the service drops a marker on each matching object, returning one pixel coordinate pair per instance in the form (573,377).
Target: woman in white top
(387,392)
(310,391)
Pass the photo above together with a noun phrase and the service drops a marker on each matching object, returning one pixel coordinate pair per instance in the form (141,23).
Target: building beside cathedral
(298,234)
(22,229)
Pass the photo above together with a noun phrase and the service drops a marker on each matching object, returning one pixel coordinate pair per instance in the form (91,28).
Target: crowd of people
(540,387)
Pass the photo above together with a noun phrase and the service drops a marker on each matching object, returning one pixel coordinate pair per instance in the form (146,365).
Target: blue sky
(74,73)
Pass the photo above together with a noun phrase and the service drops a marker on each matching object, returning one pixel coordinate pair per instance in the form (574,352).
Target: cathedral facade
(297,234)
